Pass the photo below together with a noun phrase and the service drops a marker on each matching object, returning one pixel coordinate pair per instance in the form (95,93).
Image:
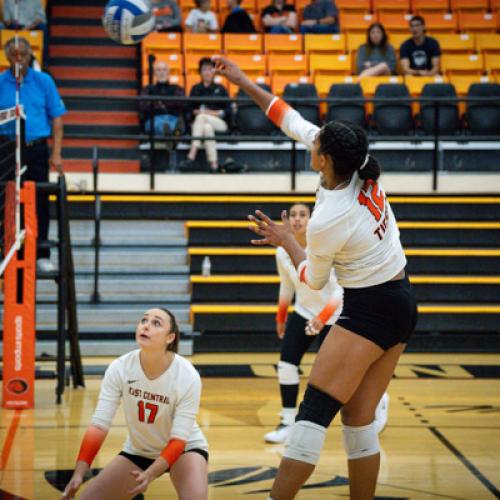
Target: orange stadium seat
(262,4)
(162,43)
(329,64)
(353,5)
(321,44)
(397,39)
(4,63)
(34,37)
(174,61)
(462,64)
(395,22)
(354,41)
(279,82)
(173,79)
(324,82)
(415,84)
(291,44)
(191,62)
(451,42)
(477,21)
(423,6)
(295,64)
(481,5)
(401,5)
(356,21)
(203,43)
(438,22)
(488,43)
(235,43)
(260,79)
(492,64)
(252,64)
(370,83)
(463,82)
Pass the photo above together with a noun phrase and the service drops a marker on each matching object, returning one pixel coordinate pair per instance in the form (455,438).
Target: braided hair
(347,145)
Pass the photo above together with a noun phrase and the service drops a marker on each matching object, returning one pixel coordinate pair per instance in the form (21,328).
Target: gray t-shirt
(319,9)
(374,57)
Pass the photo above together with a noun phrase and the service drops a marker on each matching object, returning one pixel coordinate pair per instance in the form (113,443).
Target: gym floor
(442,439)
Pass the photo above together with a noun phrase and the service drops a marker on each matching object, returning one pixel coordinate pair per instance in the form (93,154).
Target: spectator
(167,115)
(279,17)
(210,117)
(238,20)
(320,16)
(201,19)
(44,109)
(376,57)
(168,15)
(420,54)
(31,16)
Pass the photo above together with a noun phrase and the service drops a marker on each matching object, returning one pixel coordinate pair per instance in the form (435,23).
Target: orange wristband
(91,443)
(282,312)
(173,451)
(327,311)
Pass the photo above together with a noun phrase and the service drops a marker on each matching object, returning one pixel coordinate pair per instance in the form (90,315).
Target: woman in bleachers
(279,17)
(209,117)
(376,57)
(201,19)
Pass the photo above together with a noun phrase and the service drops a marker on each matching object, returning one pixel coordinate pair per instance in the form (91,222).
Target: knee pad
(305,442)
(288,374)
(318,407)
(360,442)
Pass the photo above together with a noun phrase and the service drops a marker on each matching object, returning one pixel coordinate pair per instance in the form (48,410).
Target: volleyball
(128,21)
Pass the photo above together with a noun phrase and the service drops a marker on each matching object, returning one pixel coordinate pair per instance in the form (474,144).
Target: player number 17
(151,407)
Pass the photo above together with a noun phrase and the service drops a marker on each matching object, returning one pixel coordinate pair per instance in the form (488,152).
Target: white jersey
(156,410)
(351,229)
(308,303)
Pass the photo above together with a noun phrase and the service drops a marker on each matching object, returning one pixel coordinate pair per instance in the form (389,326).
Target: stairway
(85,62)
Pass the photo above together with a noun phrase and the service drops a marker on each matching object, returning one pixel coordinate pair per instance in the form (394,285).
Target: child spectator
(376,57)
(279,17)
(201,19)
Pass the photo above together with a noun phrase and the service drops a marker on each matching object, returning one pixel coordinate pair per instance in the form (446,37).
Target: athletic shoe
(279,434)
(382,413)
(45,266)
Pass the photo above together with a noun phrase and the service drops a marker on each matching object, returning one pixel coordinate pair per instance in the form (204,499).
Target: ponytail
(370,169)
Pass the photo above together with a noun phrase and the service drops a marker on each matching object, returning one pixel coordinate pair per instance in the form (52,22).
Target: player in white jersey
(315,312)
(160,391)
(352,229)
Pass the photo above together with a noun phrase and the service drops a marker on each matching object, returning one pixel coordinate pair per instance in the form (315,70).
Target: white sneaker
(382,413)
(45,266)
(279,434)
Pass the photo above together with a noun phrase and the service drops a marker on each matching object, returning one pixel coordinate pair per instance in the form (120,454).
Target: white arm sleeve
(109,398)
(186,411)
(287,289)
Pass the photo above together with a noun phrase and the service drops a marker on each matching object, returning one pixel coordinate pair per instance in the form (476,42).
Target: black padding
(250,119)
(484,117)
(448,112)
(342,109)
(318,407)
(393,117)
(303,90)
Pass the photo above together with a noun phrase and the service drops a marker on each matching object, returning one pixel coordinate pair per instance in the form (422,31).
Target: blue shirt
(40,98)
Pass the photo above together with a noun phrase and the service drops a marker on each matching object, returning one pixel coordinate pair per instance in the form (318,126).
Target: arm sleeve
(286,293)
(360,59)
(186,411)
(329,310)
(213,24)
(55,105)
(291,122)
(391,58)
(189,19)
(109,398)
(176,14)
(436,49)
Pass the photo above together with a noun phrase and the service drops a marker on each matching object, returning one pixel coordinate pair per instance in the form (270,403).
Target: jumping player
(352,229)
(161,396)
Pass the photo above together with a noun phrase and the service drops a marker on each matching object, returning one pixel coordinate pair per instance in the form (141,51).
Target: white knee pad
(288,374)
(360,442)
(305,442)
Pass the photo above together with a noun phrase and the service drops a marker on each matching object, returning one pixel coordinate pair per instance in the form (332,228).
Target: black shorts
(143,462)
(386,314)
(295,342)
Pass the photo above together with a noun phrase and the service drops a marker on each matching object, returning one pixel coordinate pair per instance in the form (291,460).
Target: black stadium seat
(250,119)
(350,111)
(448,112)
(303,90)
(484,117)
(393,118)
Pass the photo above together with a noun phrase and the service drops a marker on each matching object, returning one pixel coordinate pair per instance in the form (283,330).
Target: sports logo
(17,386)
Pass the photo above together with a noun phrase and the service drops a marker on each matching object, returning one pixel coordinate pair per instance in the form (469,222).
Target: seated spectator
(279,17)
(168,15)
(376,57)
(201,19)
(320,16)
(209,117)
(167,115)
(420,54)
(238,20)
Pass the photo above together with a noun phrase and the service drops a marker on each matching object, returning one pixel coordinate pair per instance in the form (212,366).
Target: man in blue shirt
(43,108)
(320,16)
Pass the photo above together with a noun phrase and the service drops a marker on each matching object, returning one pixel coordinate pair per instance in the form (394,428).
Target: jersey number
(151,407)
(374,201)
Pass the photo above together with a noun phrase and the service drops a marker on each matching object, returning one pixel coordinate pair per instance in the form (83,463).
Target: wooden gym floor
(442,441)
